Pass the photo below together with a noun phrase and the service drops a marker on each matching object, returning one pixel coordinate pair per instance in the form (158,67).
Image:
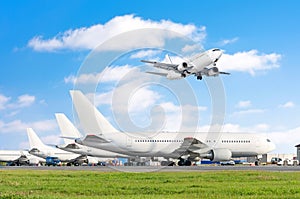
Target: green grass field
(92,184)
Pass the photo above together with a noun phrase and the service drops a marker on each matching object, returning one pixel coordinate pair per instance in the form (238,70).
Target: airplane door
(129,142)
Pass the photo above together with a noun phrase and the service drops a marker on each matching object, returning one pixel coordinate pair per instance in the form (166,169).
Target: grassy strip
(92,184)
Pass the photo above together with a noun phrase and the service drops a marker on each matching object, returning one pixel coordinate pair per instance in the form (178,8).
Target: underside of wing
(162,65)
(156,73)
(190,145)
(224,73)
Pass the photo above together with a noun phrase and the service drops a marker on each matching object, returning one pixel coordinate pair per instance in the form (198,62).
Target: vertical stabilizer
(34,140)
(67,129)
(92,121)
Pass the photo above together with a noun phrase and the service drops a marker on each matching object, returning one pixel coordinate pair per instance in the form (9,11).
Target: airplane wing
(224,73)
(156,73)
(189,145)
(162,65)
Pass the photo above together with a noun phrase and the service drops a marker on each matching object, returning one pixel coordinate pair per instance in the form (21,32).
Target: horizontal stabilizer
(69,138)
(149,62)
(95,139)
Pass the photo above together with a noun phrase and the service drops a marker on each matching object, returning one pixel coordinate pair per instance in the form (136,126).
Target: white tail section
(34,140)
(92,121)
(67,129)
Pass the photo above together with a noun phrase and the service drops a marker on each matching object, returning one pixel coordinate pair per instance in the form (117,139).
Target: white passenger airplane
(199,65)
(39,149)
(19,157)
(182,145)
(70,132)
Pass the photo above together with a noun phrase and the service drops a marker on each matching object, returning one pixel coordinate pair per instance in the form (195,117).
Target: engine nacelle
(173,75)
(183,66)
(219,155)
(34,161)
(214,71)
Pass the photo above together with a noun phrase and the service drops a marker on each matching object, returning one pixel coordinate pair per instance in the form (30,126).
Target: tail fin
(34,140)
(93,122)
(67,129)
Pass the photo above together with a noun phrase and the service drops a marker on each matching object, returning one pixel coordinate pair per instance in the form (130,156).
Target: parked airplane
(38,148)
(70,133)
(199,65)
(19,157)
(182,145)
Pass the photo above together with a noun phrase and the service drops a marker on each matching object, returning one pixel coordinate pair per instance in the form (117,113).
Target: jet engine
(214,71)
(218,155)
(173,75)
(183,66)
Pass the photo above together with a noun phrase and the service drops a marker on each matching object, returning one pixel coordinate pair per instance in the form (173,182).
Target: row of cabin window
(158,140)
(235,141)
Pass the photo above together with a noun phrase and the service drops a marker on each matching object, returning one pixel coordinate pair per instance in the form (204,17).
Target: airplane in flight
(39,149)
(202,64)
(185,146)
(69,132)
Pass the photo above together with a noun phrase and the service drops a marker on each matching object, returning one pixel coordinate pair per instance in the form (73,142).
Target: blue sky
(260,40)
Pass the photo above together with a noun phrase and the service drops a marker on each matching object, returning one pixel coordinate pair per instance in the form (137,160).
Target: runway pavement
(206,168)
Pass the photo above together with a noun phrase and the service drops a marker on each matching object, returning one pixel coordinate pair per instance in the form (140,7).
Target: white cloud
(91,37)
(19,126)
(228,41)
(25,100)
(142,99)
(191,48)
(145,54)
(110,74)
(248,111)
(3,101)
(244,104)
(261,127)
(285,140)
(250,61)
(289,104)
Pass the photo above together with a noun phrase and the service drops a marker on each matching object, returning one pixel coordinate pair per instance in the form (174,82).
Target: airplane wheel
(181,162)
(188,163)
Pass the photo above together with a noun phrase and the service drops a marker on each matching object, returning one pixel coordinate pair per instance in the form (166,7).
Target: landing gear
(167,163)
(183,162)
(199,77)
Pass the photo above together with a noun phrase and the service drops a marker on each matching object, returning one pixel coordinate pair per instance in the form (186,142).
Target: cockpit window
(268,140)
(216,49)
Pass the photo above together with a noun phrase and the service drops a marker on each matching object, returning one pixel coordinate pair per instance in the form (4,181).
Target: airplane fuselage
(165,144)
